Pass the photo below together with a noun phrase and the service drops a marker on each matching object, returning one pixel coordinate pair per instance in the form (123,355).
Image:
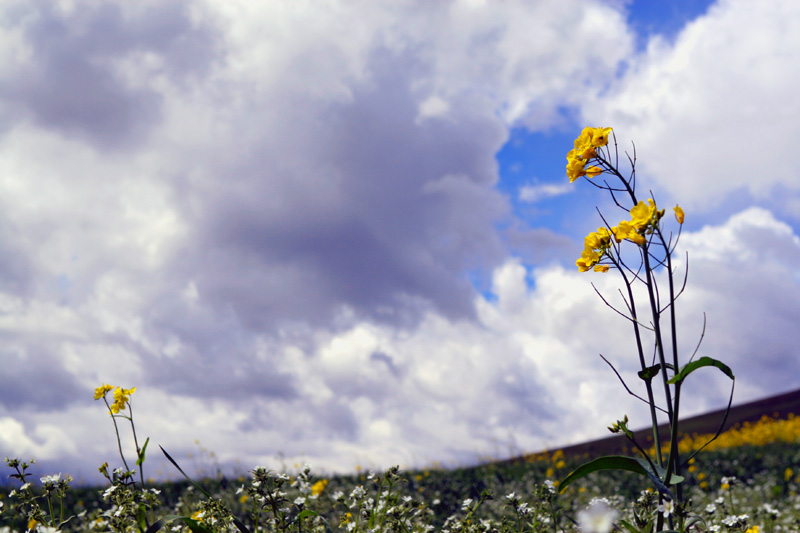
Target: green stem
(136,443)
(674,454)
(648,383)
(116,430)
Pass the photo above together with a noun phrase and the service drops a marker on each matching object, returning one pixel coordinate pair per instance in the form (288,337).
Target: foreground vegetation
(749,482)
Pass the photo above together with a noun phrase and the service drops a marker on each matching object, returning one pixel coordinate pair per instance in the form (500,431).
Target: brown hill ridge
(779,406)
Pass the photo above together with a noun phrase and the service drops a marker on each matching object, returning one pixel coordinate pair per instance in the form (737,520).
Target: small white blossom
(666,508)
(465,504)
(51,479)
(597,518)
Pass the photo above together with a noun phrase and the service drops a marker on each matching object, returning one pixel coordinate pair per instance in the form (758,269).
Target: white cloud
(715,112)
(269,233)
(536,193)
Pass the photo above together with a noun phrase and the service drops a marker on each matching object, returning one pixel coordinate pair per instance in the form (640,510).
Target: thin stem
(116,430)
(626,385)
(138,450)
(648,385)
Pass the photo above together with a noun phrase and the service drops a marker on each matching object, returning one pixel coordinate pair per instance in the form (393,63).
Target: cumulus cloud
(270,220)
(712,114)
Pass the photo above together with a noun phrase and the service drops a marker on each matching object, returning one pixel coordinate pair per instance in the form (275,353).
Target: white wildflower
(666,508)
(597,518)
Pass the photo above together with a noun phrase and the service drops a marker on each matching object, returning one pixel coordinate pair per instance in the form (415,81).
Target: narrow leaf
(140,460)
(700,363)
(171,460)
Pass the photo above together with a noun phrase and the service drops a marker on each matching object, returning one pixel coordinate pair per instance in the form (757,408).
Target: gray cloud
(73,80)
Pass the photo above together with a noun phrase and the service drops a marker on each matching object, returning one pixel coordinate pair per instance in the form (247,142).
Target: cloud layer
(271,219)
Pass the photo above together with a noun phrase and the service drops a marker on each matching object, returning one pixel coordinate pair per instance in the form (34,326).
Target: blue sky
(343,235)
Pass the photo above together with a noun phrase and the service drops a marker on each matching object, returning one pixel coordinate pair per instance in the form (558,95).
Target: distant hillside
(776,406)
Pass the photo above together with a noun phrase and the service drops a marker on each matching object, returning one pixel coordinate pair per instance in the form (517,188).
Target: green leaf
(196,526)
(305,513)
(627,525)
(141,517)
(650,372)
(609,462)
(161,522)
(140,460)
(240,525)
(171,460)
(700,363)
(621,462)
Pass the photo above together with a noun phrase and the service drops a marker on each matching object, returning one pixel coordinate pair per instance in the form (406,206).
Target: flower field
(750,481)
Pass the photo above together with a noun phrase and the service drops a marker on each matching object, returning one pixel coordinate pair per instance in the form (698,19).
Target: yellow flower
(318,487)
(575,169)
(600,136)
(788,474)
(601,268)
(591,172)
(588,259)
(641,214)
(101,391)
(753,529)
(626,230)
(583,144)
(121,398)
(32,524)
(679,215)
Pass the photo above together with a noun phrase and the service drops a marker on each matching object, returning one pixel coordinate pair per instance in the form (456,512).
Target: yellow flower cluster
(595,246)
(121,396)
(644,217)
(585,150)
(767,430)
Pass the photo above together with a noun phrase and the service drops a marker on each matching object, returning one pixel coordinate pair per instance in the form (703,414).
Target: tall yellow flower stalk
(642,232)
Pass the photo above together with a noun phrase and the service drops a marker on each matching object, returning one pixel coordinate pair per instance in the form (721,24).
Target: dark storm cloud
(71,83)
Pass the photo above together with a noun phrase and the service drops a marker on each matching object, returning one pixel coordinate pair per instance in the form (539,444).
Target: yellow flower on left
(101,391)
(318,487)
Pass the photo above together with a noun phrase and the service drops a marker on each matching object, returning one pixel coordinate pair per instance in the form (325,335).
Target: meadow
(750,481)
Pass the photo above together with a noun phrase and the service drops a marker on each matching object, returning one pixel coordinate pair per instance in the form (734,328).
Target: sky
(341,232)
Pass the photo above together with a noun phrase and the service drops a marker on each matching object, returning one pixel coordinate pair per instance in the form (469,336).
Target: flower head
(679,214)
(597,518)
(121,399)
(101,391)
(585,149)
(666,508)
(318,487)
